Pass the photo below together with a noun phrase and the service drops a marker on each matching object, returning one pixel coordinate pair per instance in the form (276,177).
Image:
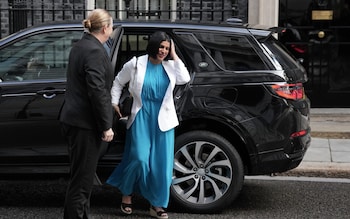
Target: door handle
(50,93)
(49,96)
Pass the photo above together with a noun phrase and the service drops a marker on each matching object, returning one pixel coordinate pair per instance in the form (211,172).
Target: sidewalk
(329,152)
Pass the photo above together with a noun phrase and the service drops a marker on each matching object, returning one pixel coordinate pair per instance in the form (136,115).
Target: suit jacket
(177,73)
(89,80)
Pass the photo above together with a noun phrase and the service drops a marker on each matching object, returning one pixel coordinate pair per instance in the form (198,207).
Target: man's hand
(108,135)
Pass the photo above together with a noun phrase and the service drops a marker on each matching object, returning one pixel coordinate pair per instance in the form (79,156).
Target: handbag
(125,102)
(126,99)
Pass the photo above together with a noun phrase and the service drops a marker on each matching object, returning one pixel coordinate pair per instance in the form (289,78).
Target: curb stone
(320,169)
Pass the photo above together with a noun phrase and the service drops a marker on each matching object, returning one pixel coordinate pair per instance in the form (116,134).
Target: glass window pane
(38,57)
(200,58)
(231,52)
(131,45)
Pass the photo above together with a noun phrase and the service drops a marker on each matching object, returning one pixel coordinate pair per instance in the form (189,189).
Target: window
(131,45)
(38,57)
(281,58)
(230,52)
(200,58)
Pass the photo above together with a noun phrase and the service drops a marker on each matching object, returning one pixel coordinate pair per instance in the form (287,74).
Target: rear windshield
(281,57)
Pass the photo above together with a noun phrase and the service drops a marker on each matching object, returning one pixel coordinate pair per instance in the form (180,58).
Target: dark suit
(86,113)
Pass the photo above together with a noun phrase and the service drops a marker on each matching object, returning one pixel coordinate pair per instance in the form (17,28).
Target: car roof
(156,24)
(195,25)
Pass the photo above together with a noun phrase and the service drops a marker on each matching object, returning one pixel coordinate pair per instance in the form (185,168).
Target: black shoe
(161,214)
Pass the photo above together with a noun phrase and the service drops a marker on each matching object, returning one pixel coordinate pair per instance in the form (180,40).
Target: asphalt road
(277,197)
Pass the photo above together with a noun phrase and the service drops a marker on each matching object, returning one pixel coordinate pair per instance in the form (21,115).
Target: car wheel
(208,172)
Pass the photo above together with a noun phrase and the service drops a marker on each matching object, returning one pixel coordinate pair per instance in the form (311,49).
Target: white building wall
(263,12)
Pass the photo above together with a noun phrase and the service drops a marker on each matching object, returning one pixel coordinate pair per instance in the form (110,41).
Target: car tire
(208,172)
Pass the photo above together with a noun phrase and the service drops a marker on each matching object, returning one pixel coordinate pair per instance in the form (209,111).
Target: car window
(231,52)
(133,44)
(201,59)
(37,57)
(280,56)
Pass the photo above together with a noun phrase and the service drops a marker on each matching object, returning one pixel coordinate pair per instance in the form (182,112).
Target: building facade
(18,14)
(318,31)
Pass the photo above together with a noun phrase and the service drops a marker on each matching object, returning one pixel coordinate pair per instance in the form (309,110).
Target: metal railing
(19,14)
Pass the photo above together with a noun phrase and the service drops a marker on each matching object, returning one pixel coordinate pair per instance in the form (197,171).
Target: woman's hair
(154,43)
(97,19)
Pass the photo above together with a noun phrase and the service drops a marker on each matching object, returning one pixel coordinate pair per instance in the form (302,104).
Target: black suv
(244,111)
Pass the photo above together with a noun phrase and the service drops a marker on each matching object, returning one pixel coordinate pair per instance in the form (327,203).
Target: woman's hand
(172,51)
(117,110)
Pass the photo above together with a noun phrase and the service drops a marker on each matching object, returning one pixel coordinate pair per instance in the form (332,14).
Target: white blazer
(177,73)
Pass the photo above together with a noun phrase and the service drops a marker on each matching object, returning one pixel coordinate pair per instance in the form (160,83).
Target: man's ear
(105,28)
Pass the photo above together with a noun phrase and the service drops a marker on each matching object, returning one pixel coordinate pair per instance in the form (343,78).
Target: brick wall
(4,18)
(205,10)
(55,10)
(24,13)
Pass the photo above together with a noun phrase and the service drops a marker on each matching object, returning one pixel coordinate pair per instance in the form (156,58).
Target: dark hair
(154,43)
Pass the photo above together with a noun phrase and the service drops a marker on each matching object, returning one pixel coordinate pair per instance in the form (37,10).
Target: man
(87,114)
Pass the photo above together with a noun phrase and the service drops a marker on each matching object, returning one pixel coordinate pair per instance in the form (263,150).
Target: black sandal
(126,208)
(161,214)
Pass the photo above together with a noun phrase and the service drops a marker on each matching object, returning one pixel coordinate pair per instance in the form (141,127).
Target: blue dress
(147,163)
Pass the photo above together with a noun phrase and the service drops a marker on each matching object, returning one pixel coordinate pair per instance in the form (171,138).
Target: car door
(32,87)
(113,153)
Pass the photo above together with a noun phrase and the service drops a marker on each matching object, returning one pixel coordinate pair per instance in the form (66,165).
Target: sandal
(126,208)
(161,214)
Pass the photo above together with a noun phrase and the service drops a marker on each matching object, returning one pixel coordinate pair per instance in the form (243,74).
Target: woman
(147,163)
(87,113)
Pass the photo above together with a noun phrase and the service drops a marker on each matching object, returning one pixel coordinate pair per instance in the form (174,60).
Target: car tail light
(289,91)
(298,134)
(301,49)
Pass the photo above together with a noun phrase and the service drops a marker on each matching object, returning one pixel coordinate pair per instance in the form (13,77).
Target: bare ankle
(126,199)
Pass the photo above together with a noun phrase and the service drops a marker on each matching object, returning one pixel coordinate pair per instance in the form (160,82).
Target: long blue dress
(147,163)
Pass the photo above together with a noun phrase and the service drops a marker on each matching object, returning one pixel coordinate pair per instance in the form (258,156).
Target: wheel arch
(234,136)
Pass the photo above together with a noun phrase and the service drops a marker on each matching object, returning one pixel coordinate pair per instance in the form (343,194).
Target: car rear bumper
(281,160)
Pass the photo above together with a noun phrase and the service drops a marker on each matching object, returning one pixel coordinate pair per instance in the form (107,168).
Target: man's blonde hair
(97,19)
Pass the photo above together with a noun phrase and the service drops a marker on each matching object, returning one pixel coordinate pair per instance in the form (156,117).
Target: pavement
(329,152)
